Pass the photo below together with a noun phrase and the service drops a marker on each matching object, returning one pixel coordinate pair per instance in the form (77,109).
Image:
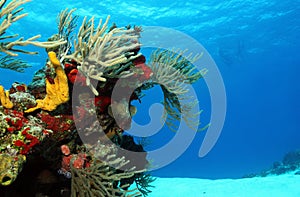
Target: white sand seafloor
(287,185)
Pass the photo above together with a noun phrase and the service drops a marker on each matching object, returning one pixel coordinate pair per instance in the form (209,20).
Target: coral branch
(102,177)
(109,53)
(99,52)
(86,38)
(17,65)
(66,24)
(10,13)
(172,71)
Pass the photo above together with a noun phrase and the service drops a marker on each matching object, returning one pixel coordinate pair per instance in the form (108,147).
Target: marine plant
(47,120)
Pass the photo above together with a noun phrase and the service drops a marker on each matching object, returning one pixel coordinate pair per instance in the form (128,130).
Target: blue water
(255,45)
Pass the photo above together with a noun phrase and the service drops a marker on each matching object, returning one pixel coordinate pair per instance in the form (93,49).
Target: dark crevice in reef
(37,180)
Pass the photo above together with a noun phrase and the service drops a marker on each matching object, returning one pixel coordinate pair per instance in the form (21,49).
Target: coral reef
(43,124)
(289,163)
(18,136)
(21,99)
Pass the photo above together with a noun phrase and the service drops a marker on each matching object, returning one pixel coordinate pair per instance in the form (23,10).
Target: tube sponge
(4,98)
(56,93)
(10,167)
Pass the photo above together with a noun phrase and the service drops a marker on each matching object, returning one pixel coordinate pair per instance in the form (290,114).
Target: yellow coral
(58,92)
(4,98)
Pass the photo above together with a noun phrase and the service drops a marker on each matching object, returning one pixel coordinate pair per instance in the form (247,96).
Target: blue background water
(256,47)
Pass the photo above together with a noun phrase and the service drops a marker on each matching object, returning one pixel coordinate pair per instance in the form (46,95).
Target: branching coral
(17,65)
(185,71)
(10,14)
(103,54)
(87,36)
(102,177)
(66,23)
(143,183)
(172,71)
(109,52)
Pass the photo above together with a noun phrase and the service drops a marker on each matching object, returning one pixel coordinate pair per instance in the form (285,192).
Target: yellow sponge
(4,98)
(56,93)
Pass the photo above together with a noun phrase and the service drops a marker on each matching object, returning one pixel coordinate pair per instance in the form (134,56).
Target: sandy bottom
(287,185)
